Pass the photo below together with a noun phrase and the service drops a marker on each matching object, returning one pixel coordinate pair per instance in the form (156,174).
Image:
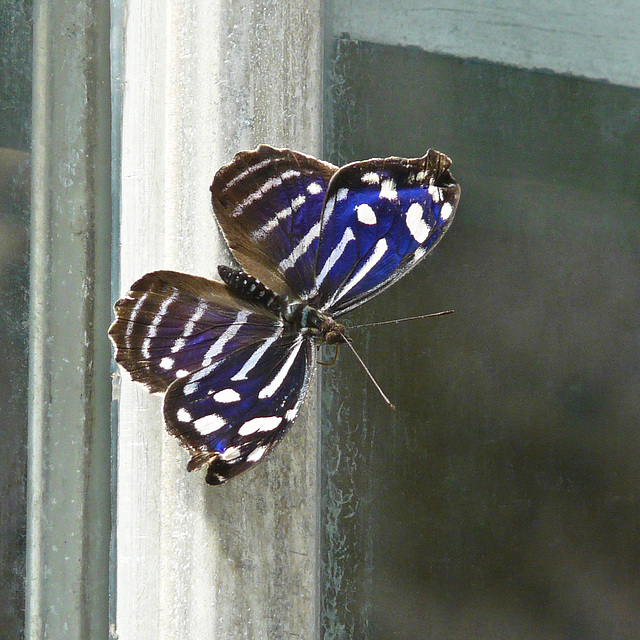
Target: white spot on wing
(334,256)
(183,415)
(257,354)
(259,424)
(388,190)
(328,210)
(178,345)
(278,379)
(378,251)
(153,329)
(342,194)
(415,223)
(366,214)
(252,169)
(419,253)
(146,344)
(192,387)
(208,424)
(217,347)
(314,188)
(189,327)
(371,178)
(257,454)
(132,317)
(231,453)
(301,248)
(268,185)
(272,183)
(283,214)
(181,373)
(226,396)
(446,211)
(296,203)
(167,363)
(435,193)
(268,227)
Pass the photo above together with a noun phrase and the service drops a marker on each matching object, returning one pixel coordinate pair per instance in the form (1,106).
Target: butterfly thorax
(311,322)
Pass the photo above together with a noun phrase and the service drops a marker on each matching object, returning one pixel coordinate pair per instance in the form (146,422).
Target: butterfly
(313,241)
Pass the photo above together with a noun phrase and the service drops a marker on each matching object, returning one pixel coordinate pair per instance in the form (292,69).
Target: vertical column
(203,80)
(69,516)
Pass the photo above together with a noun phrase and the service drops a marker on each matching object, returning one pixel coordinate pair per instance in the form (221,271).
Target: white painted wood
(588,38)
(202,80)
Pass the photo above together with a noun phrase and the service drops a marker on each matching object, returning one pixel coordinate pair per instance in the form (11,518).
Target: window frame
(122,540)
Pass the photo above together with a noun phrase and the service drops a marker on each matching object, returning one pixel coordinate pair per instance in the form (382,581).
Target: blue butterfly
(313,241)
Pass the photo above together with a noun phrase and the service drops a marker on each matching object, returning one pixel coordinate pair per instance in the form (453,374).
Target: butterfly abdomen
(250,288)
(303,317)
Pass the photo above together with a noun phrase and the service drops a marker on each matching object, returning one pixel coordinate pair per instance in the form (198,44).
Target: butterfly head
(312,322)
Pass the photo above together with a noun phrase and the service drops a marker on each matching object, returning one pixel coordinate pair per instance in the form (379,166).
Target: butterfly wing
(234,373)
(171,324)
(230,414)
(268,204)
(332,237)
(381,217)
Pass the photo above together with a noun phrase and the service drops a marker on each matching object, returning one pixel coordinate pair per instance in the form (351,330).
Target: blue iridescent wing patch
(381,218)
(234,358)
(232,414)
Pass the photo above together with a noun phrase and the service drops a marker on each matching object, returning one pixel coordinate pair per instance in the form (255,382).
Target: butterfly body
(303,317)
(313,241)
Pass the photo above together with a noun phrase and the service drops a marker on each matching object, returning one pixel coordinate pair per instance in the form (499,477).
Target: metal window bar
(69,433)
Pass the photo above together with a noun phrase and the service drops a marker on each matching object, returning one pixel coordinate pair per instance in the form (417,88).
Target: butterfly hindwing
(381,217)
(231,413)
(268,203)
(234,373)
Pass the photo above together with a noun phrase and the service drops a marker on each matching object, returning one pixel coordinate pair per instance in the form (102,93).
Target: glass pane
(500,499)
(15,132)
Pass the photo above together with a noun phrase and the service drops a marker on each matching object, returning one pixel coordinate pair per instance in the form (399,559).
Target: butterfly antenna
(377,386)
(399,320)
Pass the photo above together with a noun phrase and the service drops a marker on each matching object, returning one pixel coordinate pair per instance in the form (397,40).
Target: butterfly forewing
(171,324)
(232,413)
(268,204)
(381,218)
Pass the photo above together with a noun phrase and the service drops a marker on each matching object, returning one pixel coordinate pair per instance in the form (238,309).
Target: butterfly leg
(335,356)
